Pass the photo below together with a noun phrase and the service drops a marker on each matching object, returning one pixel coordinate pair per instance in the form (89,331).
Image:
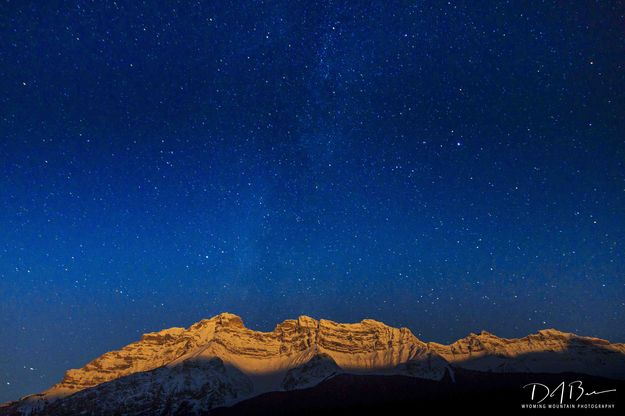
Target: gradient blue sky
(450,167)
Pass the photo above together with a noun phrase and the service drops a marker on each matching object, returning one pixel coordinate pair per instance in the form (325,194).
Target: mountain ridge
(230,362)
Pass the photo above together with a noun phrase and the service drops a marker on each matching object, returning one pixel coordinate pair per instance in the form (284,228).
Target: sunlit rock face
(218,361)
(548,351)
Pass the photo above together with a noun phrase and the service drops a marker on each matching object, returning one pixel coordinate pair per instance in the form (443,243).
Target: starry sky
(446,166)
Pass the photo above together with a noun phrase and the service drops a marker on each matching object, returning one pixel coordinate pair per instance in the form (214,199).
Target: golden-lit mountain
(219,362)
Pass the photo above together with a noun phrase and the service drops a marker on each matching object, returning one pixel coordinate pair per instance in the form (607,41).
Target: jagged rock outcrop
(218,361)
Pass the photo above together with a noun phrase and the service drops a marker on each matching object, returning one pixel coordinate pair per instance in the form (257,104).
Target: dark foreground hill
(472,391)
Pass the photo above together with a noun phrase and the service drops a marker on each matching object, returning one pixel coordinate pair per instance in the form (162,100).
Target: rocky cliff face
(548,351)
(219,361)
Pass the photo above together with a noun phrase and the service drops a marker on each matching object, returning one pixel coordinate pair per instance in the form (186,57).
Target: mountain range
(218,365)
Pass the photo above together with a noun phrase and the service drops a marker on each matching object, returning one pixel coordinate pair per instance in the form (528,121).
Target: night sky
(445,166)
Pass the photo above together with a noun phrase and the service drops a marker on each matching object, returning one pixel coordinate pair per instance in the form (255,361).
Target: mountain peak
(224,318)
(552,332)
(372,322)
(307,321)
(221,353)
(165,334)
(229,320)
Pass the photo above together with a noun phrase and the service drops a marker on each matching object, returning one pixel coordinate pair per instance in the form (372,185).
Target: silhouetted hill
(348,394)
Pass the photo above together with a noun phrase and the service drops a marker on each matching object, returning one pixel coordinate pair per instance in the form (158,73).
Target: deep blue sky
(449,167)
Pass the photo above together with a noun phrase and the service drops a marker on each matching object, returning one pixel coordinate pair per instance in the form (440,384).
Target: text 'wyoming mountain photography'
(311,207)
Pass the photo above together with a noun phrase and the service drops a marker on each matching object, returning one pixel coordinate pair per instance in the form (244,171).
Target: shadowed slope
(349,394)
